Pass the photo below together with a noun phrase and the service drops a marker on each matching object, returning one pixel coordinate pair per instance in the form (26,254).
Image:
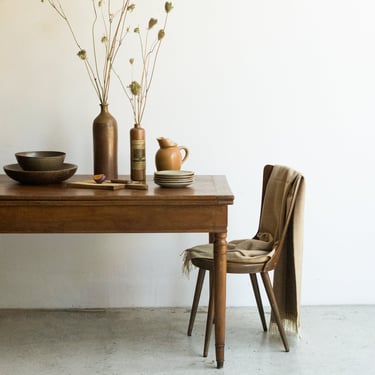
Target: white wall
(241,84)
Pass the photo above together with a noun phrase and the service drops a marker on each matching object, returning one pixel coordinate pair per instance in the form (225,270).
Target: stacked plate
(174,179)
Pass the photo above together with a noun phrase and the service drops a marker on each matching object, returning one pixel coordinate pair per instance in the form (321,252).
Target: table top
(59,208)
(209,189)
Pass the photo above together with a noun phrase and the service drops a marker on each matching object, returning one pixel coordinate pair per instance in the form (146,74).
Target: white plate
(174,174)
(173,184)
(166,179)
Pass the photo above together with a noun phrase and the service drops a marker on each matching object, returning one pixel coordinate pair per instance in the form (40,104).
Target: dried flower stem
(137,93)
(147,80)
(112,39)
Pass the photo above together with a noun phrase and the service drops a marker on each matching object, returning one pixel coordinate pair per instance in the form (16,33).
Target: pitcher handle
(185,149)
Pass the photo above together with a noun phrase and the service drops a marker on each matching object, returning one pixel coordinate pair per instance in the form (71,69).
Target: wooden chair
(207,264)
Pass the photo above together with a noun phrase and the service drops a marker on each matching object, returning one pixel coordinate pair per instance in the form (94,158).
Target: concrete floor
(335,340)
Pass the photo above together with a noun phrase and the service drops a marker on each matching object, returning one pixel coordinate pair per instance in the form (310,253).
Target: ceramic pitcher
(170,156)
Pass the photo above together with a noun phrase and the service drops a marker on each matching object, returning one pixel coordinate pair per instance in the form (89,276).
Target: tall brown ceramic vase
(137,154)
(104,131)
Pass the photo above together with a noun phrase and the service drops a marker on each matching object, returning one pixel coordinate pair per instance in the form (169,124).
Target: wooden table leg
(220,259)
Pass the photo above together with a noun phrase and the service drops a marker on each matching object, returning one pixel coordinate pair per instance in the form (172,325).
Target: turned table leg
(220,261)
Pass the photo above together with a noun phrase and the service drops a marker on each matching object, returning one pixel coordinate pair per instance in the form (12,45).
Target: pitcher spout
(166,142)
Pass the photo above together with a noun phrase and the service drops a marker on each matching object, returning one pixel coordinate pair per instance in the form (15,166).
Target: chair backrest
(287,211)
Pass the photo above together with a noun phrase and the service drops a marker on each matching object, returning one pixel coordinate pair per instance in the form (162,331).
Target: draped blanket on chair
(287,274)
(261,248)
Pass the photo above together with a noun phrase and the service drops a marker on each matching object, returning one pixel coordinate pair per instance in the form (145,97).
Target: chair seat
(243,256)
(232,267)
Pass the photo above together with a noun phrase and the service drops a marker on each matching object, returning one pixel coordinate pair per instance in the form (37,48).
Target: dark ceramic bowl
(40,160)
(15,172)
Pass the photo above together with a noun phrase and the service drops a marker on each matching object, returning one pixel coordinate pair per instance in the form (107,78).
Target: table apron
(107,218)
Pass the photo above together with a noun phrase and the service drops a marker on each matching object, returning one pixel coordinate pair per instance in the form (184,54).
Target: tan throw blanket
(287,275)
(261,248)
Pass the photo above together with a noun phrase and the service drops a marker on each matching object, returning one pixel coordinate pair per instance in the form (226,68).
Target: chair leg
(275,310)
(210,317)
(197,295)
(258,298)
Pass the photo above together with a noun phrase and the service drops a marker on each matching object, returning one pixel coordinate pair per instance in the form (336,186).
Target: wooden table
(57,208)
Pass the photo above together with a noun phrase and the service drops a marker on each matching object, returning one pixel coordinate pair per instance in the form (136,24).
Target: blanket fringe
(290,325)
(187,265)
